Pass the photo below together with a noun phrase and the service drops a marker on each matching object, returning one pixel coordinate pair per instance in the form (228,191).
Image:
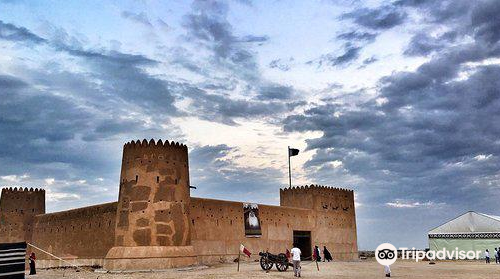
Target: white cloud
(14,178)
(482,157)
(55,197)
(49,181)
(409,204)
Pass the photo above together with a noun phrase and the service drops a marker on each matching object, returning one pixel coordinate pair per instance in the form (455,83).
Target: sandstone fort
(156,224)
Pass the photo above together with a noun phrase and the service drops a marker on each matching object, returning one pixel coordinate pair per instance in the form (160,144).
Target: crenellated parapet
(139,150)
(314,188)
(15,199)
(317,197)
(21,189)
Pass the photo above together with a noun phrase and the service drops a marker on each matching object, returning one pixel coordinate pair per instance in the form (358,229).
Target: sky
(397,100)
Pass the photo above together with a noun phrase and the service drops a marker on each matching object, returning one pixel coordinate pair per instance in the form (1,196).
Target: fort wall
(328,213)
(156,224)
(82,236)
(218,229)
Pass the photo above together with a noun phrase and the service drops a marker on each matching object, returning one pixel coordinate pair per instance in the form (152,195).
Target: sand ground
(355,270)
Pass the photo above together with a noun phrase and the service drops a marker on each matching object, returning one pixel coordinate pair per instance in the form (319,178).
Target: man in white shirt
(296,260)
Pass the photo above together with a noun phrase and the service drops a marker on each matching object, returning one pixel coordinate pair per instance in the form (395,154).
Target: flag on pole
(288,255)
(315,254)
(244,250)
(293,152)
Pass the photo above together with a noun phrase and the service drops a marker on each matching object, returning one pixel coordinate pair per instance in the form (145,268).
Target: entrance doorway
(303,241)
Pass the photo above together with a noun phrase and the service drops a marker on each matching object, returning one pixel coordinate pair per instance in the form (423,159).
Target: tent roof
(470,222)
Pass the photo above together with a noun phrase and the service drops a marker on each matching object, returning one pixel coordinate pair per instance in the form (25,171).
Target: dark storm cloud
(422,44)
(226,110)
(485,22)
(253,39)
(232,56)
(384,17)
(430,136)
(141,18)
(281,64)
(351,53)
(357,36)
(60,124)
(216,175)
(275,92)
(121,73)
(207,25)
(370,60)
(14,33)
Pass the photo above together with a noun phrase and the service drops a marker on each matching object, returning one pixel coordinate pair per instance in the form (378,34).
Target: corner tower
(18,208)
(152,222)
(334,214)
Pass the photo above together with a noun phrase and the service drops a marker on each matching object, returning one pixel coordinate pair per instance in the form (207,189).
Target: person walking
(387,271)
(327,256)
(32,260)
(496,256)
(487,256)
(296,260)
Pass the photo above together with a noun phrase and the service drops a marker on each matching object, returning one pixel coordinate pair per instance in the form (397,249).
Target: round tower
(152,222)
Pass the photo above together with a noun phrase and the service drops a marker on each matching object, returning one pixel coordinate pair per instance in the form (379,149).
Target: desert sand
(355,270)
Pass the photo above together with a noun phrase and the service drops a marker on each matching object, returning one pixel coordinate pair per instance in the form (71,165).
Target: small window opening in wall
(176,181)
(192,221)
(157,179)
(136,178)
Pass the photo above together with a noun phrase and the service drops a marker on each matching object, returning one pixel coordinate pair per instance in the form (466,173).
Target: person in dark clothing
(326,254)
(316,254)
(32,263)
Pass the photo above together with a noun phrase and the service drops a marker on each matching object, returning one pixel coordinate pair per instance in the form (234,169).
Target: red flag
(244,250)
(315,254)
(287,254)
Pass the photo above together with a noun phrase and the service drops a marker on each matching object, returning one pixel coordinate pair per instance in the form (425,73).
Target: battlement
(21,189)
(152,144)
(316,196)
(14,199)
(143,149)
(320,189)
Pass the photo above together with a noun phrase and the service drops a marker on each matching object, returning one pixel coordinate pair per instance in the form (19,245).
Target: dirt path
(354,270)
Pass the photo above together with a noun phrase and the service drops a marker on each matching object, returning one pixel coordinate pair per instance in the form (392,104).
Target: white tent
(471,231)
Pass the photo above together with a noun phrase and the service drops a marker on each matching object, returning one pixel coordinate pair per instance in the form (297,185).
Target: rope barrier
(62,260)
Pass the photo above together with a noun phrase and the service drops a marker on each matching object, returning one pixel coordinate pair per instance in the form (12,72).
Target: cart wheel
(282,264)
(265,263)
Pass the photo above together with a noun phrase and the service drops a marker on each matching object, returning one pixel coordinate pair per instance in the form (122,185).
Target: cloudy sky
(398,100)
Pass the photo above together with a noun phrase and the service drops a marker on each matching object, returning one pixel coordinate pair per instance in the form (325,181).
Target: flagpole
(289,169)
(239,253)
